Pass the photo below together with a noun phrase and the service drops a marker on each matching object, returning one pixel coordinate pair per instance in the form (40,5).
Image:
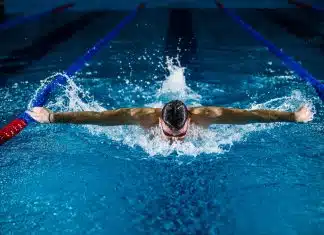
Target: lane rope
(24,19)
(17,125)
(288,61)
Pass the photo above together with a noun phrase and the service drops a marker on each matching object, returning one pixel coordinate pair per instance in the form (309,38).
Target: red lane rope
(12,129)
(62,8)
(300,4)
(304,5)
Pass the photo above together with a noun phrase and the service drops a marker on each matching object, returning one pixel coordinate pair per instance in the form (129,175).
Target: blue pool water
(251,179)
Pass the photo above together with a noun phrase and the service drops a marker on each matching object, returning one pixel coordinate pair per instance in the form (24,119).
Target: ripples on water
(76,96)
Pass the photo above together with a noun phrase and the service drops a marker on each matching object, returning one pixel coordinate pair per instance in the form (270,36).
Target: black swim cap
(175,114)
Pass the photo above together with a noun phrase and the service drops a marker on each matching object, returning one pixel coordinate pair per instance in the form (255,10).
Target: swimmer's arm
(109,117)
(122,116)
(219,115)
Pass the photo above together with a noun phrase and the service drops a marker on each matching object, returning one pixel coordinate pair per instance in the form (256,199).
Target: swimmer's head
(174,120)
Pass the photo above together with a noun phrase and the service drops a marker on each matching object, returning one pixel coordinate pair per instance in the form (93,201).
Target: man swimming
(174,118)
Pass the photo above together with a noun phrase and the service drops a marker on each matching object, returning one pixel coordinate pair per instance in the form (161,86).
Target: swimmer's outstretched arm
(123,116)
(218,115)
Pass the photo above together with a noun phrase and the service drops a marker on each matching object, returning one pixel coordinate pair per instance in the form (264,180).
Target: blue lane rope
(289,62)
(24,19)
(42,96)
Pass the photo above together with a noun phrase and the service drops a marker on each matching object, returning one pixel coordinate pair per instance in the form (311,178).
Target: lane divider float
(16,126)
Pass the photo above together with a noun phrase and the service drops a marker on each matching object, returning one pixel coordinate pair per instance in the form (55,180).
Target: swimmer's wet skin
(174,118)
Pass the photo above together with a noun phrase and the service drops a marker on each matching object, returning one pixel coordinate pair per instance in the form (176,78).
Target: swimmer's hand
(41,114)
(304,114)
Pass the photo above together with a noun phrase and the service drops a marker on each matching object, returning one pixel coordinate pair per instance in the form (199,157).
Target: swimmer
(174,118)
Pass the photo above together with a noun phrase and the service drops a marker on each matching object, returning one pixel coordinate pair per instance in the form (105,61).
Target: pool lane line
(16,126)
(304,5)
(20,59)
(296,27)
(288,61)
(24,19)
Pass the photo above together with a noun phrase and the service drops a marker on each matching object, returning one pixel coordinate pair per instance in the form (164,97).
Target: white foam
(174,86)
(217,139)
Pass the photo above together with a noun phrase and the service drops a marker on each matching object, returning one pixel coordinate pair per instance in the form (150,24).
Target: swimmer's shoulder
(196,110)
(154,114)
(147,117)
(143,112)
(203,114)
(195,114)
(205,111)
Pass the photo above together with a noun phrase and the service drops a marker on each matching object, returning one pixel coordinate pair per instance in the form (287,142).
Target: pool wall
(17,6)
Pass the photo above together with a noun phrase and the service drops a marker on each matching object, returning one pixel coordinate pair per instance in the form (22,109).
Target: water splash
(174,86)
(217,139)
(44,82)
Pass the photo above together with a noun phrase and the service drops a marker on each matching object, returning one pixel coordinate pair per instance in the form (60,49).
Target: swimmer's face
(172,134)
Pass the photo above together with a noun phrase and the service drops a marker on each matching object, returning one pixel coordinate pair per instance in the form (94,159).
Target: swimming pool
(253,179)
